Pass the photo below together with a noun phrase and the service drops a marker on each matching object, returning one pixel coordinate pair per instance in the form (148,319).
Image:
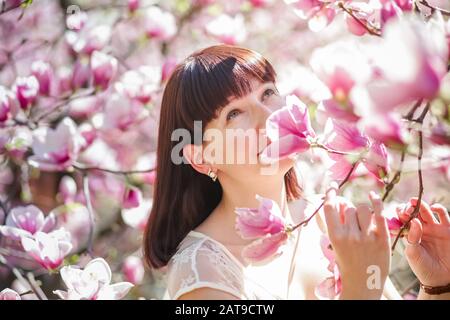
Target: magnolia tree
(368,106)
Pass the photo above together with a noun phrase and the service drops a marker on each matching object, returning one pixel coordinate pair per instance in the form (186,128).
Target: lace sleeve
(203,265)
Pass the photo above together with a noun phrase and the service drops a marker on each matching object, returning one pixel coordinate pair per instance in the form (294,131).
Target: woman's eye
(268,93)
(232,114)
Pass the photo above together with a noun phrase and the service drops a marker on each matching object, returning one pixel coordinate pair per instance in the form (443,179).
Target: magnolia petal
(326,289)
(264,250)
(283,148)
(14,233)
(9,294)
(61,294)
(100,269)
(115,291)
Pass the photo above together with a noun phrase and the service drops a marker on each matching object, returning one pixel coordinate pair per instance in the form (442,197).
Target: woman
(191,228)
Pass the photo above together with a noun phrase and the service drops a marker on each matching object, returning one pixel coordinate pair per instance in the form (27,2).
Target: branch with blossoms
(434,8)
(416,210)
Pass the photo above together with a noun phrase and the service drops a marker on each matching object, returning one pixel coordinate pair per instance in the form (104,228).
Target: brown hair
(196,90)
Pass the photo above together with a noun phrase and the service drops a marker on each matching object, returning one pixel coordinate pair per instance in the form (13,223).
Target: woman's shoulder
(199,250)
(200,262)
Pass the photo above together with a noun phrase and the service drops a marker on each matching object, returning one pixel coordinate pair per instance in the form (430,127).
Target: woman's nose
(261,113)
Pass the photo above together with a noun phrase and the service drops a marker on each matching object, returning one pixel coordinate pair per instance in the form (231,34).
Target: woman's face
(234,140)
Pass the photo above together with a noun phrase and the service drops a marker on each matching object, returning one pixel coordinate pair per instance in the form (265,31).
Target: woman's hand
(361,243)
(428,242)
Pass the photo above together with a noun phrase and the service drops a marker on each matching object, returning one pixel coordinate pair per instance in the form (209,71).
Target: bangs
(212,77)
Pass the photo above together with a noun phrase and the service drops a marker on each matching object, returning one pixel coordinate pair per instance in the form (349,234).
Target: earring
(212,175)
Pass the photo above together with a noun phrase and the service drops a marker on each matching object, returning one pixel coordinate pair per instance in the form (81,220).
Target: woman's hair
(196,91)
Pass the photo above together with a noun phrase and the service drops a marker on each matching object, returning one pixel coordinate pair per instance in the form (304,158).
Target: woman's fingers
(364,218)
(380,221)
(415,232)
(413,239)
(377,204)
(404,211)
(351,221)
(442,213)
(331,211)
(425,212)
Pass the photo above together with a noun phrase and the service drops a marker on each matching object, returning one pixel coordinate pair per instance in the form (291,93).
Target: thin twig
(81,168)
(35,286)
(63,103)
(18,274)
(370,30)
(396,178)
(306,221)
(324,147)
(434,8)
(4,9)
(90,211)
(416,211)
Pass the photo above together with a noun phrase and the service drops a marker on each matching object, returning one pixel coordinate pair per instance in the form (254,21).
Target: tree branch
(343,182)
(371,30)
(91,212)
(415,213)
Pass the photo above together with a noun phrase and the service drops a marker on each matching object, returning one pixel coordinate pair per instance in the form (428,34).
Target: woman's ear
(193,154)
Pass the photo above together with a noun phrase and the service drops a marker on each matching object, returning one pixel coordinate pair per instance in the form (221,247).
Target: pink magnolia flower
(167,68)
(342,67)
(265,224)
(85,107)
(26,90)
(137,217)
(9,294)
(411,64)
(387,129)
(346,137)
(80,75)
(121,113)
(133,5)
(77,20)
(89,39)
(104,68)
(227,29)
(149,177)
(331,287)
(43,73)
(132,197)
(55,149)
(253,223)
(394,8)
(440,134)
(364,12)
(394,225)
(319,13)
(67,189)
(140,84)
(265,249)
(133,269)
(48,249)
(88,133)
(74,217)
(159,24)
(91,283)
(260,3)
(27,221)
(338,110)
(6,101)
(289,130)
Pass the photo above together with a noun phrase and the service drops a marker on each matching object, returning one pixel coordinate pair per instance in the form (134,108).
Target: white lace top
(201,261)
